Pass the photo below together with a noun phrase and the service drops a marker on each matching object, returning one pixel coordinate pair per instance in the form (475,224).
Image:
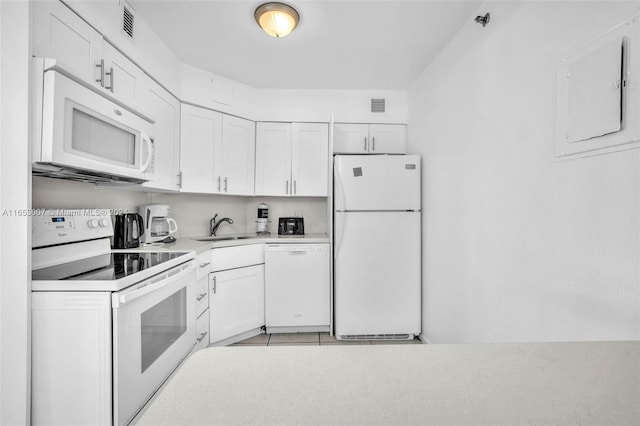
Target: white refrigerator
(377,246)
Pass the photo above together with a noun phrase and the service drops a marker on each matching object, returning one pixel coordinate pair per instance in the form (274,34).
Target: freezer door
(377,273)
(377,182)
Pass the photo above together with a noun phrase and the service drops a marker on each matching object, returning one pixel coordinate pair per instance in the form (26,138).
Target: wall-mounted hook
(484,20)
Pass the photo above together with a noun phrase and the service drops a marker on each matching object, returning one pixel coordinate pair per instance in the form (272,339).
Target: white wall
(15,196)
(517,246)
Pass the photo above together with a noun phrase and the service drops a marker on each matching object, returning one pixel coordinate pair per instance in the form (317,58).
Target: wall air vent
(127,21)
(377,105)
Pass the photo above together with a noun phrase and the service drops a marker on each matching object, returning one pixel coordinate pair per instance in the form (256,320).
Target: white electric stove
(109,326)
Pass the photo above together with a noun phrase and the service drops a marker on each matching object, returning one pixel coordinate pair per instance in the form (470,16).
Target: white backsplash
(312,209)
(192,212)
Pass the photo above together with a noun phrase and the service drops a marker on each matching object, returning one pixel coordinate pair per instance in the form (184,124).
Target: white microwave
(81,134)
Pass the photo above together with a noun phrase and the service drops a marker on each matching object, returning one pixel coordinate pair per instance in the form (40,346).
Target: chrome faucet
(215,225)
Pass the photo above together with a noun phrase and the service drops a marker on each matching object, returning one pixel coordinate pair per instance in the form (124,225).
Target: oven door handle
(143,288)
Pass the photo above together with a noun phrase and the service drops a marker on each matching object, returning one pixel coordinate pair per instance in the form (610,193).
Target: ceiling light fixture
(276,19)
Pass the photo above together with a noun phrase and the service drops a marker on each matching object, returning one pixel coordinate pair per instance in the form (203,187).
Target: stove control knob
(103,223)
(93,223)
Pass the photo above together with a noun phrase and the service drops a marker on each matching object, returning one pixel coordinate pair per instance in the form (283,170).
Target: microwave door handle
(147,140)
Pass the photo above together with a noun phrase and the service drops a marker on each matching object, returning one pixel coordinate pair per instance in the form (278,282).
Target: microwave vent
(127,21)
(377,105)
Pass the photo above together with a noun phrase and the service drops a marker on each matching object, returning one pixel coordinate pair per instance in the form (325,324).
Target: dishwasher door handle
(297,252)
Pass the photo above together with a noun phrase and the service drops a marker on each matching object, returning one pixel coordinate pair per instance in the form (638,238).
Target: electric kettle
(128,228)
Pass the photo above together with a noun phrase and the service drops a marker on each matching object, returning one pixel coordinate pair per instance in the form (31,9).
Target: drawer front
(202,330)
(237,257)
(202,295)
(203,264)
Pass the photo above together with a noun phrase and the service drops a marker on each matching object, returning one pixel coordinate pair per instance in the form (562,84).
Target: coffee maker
(157,224)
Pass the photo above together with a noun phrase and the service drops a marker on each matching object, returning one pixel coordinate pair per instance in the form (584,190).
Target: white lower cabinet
(236,301)
(203,268)
(202,331)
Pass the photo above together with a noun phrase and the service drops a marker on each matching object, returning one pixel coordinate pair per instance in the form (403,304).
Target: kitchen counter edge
(192,244)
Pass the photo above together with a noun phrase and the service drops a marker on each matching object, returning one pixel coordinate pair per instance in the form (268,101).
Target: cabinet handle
(202,265)
(215,282)
(365,143)
(202,296)
(110,74)
(295,187)
(287,188)
(180,180)
(101,79)
(202,336)
(373,143)
(225,184)
(219,184)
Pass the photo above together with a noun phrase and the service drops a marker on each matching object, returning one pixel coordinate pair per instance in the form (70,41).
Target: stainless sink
(227,238)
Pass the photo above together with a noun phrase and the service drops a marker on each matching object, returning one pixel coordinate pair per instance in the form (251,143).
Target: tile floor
(313,339)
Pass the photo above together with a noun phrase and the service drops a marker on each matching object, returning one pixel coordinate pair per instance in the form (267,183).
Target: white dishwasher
(297,288)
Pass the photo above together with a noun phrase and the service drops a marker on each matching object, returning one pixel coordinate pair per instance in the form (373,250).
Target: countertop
(587,383)
(191,243)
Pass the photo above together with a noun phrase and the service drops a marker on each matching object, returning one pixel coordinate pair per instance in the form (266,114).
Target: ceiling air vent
(127,21)
(377,105)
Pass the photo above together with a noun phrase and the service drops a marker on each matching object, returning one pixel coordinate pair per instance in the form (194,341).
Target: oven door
(154,329)
(85,130)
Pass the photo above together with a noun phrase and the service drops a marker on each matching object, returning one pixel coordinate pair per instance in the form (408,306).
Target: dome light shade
(276,19)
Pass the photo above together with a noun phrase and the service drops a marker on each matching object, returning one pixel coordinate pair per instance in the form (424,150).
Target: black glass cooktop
(106,267)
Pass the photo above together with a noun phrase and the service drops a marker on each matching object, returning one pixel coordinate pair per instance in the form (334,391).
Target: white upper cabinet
(387,138)
(369,138)
(164,109)
(81,51)
(350,138)
(273,158)
(61,34)
(217,152)
(310,159)
(200,130)
(235,156)
(122,77)
(292,159)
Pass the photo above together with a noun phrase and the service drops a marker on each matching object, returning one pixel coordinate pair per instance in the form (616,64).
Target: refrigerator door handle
(339,236)
(339,188)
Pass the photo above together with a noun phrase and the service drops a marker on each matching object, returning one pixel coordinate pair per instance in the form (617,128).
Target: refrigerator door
(377,273)
(377,182)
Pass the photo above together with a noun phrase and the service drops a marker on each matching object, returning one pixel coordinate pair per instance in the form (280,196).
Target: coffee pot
(158,226)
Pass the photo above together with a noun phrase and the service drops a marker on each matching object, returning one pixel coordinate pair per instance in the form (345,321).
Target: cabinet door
(310,159)
(350,138)
(200,129)
(164,109)
(236,301)
(273,159)
(387,138)
(235,162)
(202,331)
(123,79)
(61,34)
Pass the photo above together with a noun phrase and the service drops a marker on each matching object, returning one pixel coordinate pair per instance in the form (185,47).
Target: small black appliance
(128,229)
(290,226)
